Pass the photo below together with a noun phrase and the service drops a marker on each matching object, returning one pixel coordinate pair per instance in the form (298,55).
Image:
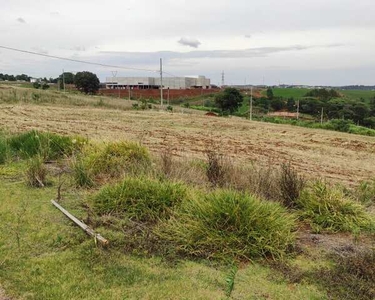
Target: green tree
(229,100)
(290,105)
(269,93)
(36,85)
(68,77)
(277,104)
(372,107)
(87,82)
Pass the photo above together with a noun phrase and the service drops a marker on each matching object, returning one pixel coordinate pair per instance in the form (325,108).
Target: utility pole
(222,79)
(321,117)
(251,104)
(64,80)
(161,83)
(114,75)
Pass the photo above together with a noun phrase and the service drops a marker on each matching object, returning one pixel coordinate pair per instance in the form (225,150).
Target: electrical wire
(78,61)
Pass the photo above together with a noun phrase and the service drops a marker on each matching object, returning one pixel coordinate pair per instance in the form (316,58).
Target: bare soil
(339,157)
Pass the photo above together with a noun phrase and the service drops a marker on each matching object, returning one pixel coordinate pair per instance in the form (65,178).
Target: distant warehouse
(146,83)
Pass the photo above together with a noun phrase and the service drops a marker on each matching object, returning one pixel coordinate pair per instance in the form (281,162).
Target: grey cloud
(150,57)
(21,20)
(190,42)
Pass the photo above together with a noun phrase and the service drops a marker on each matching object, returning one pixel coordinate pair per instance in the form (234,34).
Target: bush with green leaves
(140,199)
(36,172)
(328,208)
(48,145)
(226,224)
(116,158)
(365,192)
(4,149)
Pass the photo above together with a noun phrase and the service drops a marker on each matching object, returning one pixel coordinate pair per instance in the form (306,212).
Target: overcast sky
(317,42)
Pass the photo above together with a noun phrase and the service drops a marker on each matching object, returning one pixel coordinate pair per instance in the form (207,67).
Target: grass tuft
(36,172)
(225,224)
(114,159)
(352,277)
(365,192)
(139,199)
(48,145)
(291,185)
(4,149)
(328,208)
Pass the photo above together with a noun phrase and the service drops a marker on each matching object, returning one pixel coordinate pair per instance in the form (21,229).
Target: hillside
(333,155)
(194,207)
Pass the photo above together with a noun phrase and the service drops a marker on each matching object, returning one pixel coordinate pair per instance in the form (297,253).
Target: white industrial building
(196,82)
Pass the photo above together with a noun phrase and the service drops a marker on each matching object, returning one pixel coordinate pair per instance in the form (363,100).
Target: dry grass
(315,153)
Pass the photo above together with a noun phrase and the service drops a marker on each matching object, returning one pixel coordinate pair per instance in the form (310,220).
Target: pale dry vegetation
(315,153)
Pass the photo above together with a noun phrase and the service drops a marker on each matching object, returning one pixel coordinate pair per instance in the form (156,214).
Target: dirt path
(337,156)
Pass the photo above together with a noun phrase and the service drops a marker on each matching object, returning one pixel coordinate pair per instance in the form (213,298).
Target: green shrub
(139,199)
(81,174)
(228,224)
(365,192)
(4,149)
(328,208)
(352,277)
(49,145)
(115,159)
(36,172)
(291,185)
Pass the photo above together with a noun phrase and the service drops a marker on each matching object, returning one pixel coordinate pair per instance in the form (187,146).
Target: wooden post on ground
(83,226)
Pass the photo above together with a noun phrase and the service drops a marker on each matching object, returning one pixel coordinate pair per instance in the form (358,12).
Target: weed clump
(291,185)
(328,208)
(139,199)
(81,174)
(352,277)
(365,192)
(48,145)
(115,158)
(228,224)
(4,149)
(36,172)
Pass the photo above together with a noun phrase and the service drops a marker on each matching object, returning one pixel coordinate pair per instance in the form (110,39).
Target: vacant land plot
(337,156)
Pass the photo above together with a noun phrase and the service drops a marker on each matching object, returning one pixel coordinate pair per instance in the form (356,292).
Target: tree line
(316,101)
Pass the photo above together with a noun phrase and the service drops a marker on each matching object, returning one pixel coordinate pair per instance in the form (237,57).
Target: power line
(76,60)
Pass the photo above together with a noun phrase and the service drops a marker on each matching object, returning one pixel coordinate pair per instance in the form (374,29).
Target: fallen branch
(84,227)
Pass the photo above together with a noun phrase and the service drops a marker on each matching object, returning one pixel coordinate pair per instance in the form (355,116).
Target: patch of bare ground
(2,295)
(339,157)
(338,243)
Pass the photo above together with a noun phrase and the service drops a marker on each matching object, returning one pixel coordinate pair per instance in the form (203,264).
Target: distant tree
(229,100)
(290,105)
(36,85)
(68,77)
(369,122)
(277,104)
(87,82)
(45,86)
(23,77)
(323,94)
(270,94)
(372,107)
(361,111)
